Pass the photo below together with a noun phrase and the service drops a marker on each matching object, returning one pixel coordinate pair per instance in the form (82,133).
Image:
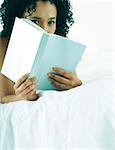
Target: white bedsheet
(79,119)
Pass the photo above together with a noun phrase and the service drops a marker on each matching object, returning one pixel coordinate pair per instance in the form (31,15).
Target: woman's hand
(26,88)
(66,81)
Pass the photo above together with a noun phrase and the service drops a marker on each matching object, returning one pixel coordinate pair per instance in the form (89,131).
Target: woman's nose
(44,26)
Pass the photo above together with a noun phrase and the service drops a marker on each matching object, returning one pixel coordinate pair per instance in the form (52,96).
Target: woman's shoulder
(3,41)
(3,46)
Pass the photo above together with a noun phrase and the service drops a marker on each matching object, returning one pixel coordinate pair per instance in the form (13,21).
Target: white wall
(93,25)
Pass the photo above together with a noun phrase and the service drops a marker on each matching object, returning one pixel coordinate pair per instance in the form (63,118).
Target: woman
(54,16)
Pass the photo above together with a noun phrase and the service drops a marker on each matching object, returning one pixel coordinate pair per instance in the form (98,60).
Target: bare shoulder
(3,47)
(6,85)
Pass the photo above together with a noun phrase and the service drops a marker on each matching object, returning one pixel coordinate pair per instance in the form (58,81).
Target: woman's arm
(23,89)
(9,98)
(6,89)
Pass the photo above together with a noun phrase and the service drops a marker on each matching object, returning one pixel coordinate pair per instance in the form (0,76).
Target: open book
(33,50)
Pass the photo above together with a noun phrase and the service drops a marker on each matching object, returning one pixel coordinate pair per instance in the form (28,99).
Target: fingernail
(49,74)
(34,78)
(54,68)
(28,74)
(49,79)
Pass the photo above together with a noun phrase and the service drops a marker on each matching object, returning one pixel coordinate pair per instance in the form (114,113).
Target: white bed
(82,118)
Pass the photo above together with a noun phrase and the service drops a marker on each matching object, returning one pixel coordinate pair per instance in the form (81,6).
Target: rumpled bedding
(82,118)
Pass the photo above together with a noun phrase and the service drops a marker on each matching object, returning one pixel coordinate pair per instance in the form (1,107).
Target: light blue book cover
(55,51)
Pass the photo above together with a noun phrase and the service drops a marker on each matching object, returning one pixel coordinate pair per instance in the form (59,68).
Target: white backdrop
(93,24)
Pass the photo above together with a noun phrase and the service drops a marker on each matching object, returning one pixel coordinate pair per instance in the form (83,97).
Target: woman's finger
(29,89)
(21,80)
(33,92)
(58,85)
(24,85)
(58,78)
(63,73)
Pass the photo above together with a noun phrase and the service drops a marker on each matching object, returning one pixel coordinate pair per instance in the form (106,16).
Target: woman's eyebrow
(39,18)
(36,18)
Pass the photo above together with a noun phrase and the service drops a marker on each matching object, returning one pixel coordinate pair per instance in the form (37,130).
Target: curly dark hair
(16,8)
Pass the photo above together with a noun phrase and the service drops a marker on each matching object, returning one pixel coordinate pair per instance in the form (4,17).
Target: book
(31,49)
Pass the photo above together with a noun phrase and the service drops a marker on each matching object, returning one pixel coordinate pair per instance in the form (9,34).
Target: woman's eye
(51,22)
(35,21)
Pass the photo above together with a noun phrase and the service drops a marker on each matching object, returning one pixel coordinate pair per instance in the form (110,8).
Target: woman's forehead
(45,9)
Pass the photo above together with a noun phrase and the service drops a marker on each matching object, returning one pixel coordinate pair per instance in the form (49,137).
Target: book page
(22,48)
